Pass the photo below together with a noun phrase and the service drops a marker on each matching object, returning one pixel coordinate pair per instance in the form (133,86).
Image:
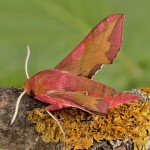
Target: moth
(70,83)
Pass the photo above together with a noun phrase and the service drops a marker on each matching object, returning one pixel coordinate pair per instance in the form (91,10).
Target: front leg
(53,107)
(56,104)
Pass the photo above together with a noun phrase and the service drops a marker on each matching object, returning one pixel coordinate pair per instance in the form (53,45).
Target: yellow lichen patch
(128,120)
(81,127)
(146,90)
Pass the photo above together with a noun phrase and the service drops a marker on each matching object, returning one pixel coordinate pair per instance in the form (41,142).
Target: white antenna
(26,62)
(17,106)
(57,123)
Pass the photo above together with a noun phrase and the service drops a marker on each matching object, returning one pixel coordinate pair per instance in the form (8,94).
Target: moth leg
(53,107)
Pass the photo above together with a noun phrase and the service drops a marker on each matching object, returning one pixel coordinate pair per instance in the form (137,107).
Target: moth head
(27,87)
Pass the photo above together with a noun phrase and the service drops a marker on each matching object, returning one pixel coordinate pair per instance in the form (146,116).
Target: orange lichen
(81,127)
(146,90)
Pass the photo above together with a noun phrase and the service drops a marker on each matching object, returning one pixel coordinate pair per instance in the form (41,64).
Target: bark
(21,135)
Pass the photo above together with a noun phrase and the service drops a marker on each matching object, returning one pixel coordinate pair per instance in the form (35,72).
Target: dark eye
(31,94)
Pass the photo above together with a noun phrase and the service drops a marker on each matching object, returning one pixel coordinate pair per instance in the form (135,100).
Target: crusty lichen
(146,91)
(81,127)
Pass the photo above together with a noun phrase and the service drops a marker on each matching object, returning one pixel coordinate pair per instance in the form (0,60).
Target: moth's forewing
(90,103)
(99,47)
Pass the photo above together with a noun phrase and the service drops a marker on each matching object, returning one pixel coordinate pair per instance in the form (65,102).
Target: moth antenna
(17,106)
(57,123)
(26,62)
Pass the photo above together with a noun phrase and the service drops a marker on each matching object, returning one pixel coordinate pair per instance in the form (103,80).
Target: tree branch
(22,135)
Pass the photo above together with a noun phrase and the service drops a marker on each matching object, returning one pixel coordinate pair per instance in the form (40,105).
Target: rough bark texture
(22,135)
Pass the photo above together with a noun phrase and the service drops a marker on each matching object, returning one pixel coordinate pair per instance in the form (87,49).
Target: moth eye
(31,93)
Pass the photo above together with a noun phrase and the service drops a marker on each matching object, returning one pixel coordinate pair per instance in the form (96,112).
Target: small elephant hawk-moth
(69,84)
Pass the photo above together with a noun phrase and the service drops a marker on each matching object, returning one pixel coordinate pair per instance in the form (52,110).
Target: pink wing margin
(99,47)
